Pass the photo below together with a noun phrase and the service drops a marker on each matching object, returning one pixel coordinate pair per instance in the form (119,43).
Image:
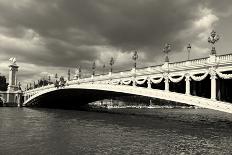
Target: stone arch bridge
(202,82)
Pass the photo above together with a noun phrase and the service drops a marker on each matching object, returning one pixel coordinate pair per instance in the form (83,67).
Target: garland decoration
(199,78)
(140,81)
(224,76)
(115,82)
(176,80)
(127,81)
(156,81)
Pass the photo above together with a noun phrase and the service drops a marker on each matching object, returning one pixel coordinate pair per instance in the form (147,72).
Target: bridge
(204,82)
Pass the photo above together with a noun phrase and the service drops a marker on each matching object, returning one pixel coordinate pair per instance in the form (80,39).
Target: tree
(3,84)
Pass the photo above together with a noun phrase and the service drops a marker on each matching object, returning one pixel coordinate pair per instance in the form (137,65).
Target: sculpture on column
(13,60)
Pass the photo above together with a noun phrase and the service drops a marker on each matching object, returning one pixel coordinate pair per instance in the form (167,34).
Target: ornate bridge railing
(194,70)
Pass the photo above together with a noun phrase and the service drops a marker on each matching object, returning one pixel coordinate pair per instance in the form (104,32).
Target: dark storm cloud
(71,29)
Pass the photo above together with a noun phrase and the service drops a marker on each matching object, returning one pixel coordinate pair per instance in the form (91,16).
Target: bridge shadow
(73,98)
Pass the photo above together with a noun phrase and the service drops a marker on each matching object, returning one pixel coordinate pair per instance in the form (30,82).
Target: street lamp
(19,85)
(69,74)
(166,50)
(189,49)
(56,76)
(213,38)
(135,57)
(94,67)
(79,75)
(104,66)
(111,64)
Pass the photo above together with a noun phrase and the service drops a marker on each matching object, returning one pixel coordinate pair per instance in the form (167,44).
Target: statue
(13,60)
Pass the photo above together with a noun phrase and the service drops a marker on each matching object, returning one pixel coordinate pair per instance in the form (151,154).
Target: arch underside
(71,98)
(82,94)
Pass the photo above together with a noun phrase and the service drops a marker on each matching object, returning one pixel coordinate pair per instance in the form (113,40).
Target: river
(121,131)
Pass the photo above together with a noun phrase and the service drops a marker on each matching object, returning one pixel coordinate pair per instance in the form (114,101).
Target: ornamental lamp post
(56,76)
(79,74)
(213,38)
(104,66)
(93,68)
(69,74)
(166,50)
(19,86)
(111,64)
(189,49)
(135,57)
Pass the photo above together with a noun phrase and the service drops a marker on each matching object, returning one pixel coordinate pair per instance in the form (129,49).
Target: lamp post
(69,74)
(79,75)
(93,68)
(111,64)
(49,79)
(104,66)
(56,76)
(135,57)
(213,38)
(166,50)
(19,85)
(189,49)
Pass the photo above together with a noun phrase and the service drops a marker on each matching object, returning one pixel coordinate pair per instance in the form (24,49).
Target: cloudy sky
(52,36)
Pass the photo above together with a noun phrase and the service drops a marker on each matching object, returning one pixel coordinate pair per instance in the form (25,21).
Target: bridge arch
(101,91)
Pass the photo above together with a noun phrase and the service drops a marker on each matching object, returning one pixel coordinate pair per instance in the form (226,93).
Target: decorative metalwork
(213,38)
(111,64)
(19,86)
(79,72)
(104,66)
(69,74)
(189,49)
(166,50)
(135,57)
(56,76)
(94,67)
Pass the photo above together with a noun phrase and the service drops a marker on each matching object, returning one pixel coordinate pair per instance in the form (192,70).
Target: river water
(122,131)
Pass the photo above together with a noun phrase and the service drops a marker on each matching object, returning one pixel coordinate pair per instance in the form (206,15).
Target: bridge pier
(187,84)
(149,83)
(166,81)
(213,85)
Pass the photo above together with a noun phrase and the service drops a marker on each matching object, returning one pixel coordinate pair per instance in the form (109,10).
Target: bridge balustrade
(210,68)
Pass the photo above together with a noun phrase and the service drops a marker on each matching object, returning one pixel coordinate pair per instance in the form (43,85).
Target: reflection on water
(142,131)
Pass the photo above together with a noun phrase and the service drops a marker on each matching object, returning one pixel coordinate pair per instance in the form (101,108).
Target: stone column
(134,82)
(213,78)
(166,81)
(187,84)
(92,78)
(13,68)
(12,87)
(148,83)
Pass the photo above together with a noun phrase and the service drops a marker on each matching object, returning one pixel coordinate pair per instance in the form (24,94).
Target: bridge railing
(227,57)
(152,70)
